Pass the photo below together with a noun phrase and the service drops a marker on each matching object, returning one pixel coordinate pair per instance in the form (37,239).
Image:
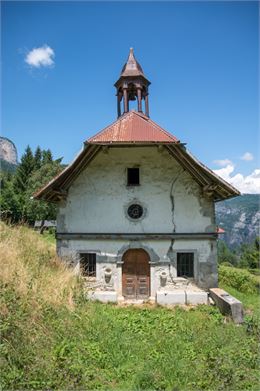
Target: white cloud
(40,57)
(247,156)
(245,184)
(222,162)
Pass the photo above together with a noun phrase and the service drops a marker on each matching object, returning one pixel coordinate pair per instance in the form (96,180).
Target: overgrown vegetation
(17,188)
(30,267)
(240,279)
(245,256)
(53,339)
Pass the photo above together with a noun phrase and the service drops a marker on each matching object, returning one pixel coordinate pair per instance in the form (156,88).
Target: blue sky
(201,57)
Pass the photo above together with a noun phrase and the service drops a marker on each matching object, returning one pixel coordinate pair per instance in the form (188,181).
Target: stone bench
(227,304)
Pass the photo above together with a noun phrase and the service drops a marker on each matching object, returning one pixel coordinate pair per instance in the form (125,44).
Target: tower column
(126,104)
(146,105)
(119,97)
(139,99)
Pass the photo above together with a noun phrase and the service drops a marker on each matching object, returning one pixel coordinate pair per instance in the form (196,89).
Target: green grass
(106,347)
(72,344)
(49,237)
(251,301)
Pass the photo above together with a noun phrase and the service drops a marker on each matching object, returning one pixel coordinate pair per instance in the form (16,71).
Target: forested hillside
(17,188)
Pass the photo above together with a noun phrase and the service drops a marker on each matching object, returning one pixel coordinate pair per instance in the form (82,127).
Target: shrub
(227,264)
(239,279)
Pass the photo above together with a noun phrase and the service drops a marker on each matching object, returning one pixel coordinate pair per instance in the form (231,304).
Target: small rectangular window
(88,264)
(133,177)
(185,264)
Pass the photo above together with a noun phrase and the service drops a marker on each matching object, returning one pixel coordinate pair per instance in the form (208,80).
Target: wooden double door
(136,274)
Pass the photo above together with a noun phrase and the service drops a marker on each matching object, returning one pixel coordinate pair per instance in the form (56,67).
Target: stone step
(166,297)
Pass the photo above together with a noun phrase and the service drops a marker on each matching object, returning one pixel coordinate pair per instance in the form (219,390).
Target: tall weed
(31,267)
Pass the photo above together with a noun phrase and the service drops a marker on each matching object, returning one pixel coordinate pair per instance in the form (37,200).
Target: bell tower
(132,85)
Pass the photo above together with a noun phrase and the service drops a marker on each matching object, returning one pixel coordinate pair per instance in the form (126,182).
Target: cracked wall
(172,199)
(97,200)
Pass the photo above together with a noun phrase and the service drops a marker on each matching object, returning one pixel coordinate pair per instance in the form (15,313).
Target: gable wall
(98,198)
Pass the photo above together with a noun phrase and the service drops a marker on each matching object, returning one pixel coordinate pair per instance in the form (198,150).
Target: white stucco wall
(98,198)
(166,259)
(97,202)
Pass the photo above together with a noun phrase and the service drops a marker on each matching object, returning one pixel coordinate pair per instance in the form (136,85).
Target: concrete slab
(103,296)
(227,304)
(170,297)
(199,297)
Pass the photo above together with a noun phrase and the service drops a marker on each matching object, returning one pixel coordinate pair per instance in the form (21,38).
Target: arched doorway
(136,274)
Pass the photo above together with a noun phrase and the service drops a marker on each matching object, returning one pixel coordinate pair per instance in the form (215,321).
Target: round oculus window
(135,211)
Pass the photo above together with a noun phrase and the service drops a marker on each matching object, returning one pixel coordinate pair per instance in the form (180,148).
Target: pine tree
(17,189)
(24,171)
(37,158)
(40,210)
(46,157)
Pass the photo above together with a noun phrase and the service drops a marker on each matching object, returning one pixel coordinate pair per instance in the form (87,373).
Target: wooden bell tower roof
(132,67)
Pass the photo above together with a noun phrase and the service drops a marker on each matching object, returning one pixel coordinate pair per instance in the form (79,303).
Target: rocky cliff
(240,218)
(8,151)
(8,154)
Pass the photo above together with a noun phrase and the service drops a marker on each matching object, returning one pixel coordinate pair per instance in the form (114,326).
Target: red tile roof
(133,127)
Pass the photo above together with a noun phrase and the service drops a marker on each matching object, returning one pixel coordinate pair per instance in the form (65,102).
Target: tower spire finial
(132,85)
(131,52)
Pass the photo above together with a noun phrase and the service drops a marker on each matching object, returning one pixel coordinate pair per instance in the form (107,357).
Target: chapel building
(136,212)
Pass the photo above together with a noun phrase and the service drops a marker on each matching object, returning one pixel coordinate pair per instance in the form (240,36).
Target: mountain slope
(8,155)
(240,218)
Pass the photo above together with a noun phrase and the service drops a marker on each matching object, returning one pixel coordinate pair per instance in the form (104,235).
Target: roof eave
(210,182)
(129,77)
(131,143)
(56,189)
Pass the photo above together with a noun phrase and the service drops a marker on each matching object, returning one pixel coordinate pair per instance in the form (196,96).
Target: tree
(11,208)
(226,255)
(37,158)
(34,171)
(250,255)
(46,157)
(40,210)
(24,171)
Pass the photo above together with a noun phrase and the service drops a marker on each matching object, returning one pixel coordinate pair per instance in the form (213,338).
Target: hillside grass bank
(53,339)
